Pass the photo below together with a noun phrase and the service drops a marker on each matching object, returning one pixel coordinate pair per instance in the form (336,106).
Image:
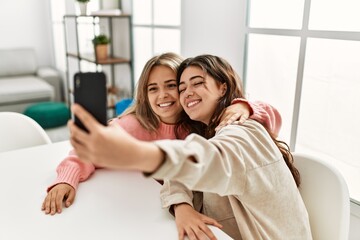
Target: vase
(101,52)
(82,8)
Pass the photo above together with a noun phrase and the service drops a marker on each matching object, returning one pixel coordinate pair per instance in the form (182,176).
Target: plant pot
(101,51)
(82,8)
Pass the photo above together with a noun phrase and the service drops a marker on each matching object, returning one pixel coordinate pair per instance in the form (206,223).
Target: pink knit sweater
(72,170)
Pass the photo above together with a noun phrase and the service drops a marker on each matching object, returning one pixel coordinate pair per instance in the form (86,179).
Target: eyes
(194,83)
(172,85)
(169,86)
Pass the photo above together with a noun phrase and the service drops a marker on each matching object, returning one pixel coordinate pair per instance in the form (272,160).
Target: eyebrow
(167,81)
(192,78)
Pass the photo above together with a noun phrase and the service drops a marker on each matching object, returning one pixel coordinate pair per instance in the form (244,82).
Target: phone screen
(90,92)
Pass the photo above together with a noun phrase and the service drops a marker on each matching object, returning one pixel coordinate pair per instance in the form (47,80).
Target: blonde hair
(141,107)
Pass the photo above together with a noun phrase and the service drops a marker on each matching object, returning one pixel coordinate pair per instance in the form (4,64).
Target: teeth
(165,104)
(190,104)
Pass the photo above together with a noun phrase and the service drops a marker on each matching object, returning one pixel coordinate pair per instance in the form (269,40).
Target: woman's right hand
(193,224)
(60,193)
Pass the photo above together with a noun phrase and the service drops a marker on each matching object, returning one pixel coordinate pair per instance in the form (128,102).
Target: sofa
(23,82)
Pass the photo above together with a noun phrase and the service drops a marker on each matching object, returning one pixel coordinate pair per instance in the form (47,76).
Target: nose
(163,94)
(188,92)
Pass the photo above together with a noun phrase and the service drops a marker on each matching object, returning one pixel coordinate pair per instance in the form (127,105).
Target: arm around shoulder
(267,115)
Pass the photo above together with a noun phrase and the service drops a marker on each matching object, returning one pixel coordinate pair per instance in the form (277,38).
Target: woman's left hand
(237,113)
(193,224)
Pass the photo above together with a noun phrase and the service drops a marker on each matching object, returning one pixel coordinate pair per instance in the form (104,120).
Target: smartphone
(90,92)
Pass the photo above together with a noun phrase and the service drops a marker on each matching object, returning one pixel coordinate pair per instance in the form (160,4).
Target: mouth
(192,103)
(165,105)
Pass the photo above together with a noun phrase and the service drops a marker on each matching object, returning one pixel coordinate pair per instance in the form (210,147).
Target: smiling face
(199,94)
(163,94)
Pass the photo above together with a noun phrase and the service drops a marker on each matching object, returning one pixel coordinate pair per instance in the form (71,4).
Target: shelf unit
(74,51)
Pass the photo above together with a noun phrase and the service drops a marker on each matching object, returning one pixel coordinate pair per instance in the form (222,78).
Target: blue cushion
(122,105)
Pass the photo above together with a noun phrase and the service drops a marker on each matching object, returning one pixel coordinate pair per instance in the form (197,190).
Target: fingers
(242,119)
(205,230)
(228,120)
(43,205)
(211,221)
(46,204)
(75,132)
(236,118)
(181,234)
(76,141)
(70,198)
(82,152)
(193,224)
(191,235)
(85,117)
(49,205)
(200,232)
(58,203)
(55,197)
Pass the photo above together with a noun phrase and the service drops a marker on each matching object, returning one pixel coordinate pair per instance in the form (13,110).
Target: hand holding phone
(90,93)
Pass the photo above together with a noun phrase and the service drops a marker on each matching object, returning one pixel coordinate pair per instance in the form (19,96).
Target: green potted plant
(101,46)
(83,6)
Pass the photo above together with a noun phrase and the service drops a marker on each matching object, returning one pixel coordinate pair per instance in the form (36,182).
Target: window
(57,13)
(156,29)
(302,57)
(58,10)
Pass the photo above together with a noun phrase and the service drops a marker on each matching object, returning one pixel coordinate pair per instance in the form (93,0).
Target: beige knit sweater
(246,184)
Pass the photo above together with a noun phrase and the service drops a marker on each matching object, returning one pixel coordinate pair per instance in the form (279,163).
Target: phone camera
(77,82)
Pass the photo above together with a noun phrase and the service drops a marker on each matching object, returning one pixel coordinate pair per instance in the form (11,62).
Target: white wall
(26,23)
(214,27)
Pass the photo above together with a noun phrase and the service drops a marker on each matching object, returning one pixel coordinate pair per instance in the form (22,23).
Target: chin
(194,118)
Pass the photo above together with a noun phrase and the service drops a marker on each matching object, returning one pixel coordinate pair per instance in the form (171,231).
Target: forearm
(173,192)
(195,161)
(147,157)
(72,171)
(264,113)
(267,115)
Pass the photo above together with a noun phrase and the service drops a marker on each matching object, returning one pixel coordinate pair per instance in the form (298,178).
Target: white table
(110,205)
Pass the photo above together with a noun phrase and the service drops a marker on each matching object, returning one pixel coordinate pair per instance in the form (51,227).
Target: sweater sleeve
(218,165)
(173,192)
(267,115)
(264,113)
(72,170)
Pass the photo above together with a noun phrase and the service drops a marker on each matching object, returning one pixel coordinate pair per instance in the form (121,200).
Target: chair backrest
(20,131)
(326,197)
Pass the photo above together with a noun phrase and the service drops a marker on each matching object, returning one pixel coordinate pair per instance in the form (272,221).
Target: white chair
(20,131)
(326,197)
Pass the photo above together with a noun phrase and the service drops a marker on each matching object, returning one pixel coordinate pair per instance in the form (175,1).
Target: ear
(223,89)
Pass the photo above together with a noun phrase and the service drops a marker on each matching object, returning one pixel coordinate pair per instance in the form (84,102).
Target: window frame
(304,34)
(152,28)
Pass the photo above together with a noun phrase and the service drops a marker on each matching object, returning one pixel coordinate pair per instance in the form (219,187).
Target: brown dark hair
(222,72)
